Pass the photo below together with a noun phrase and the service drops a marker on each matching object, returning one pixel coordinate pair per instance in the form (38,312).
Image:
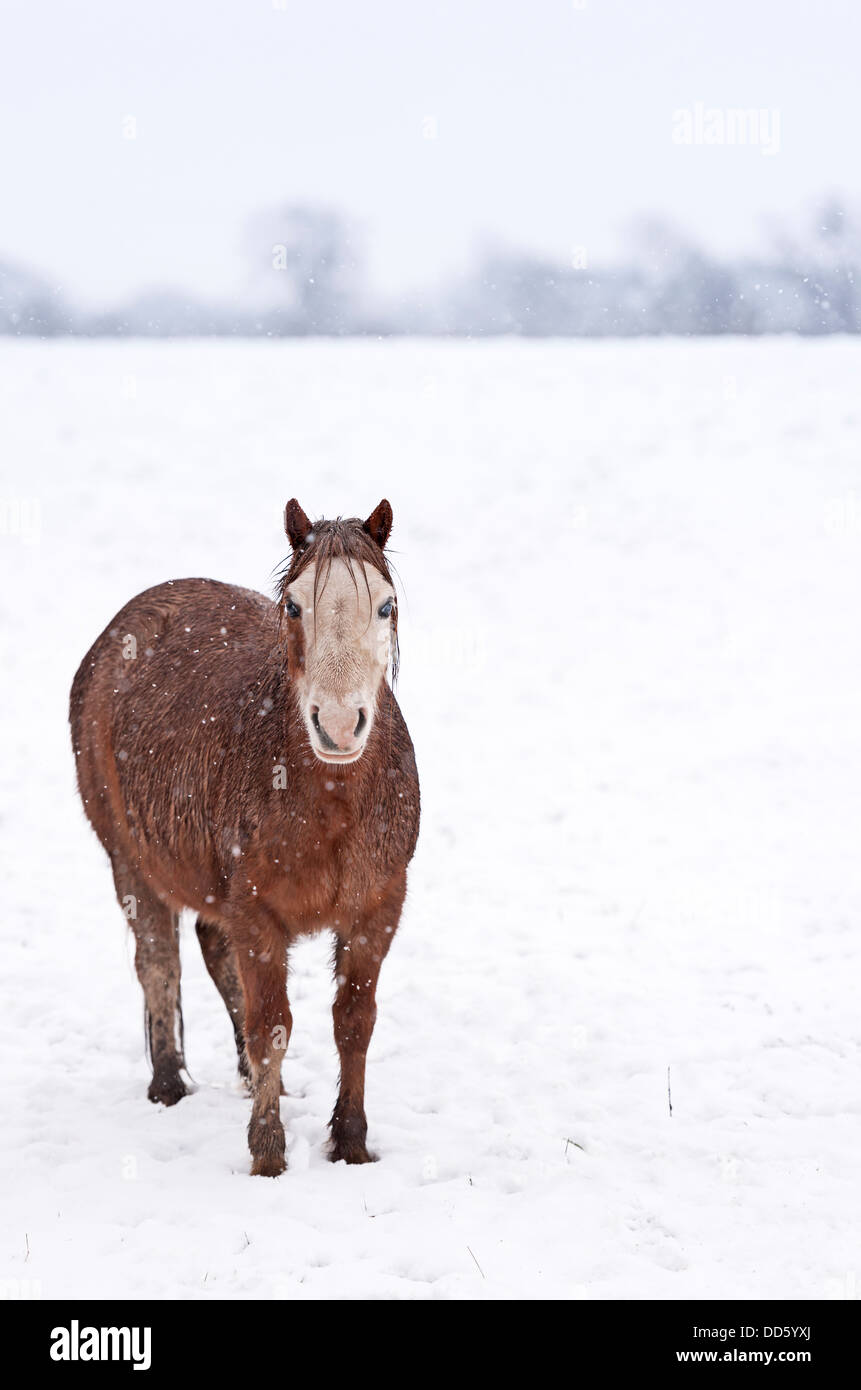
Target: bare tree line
(306,277)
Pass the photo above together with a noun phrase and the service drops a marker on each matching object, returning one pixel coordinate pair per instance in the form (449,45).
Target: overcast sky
(553,127)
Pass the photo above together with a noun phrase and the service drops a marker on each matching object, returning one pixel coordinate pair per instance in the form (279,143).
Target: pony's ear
(379,523)
(296,524)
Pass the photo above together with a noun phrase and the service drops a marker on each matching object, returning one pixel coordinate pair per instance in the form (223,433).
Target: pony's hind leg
(220,960)
(156,929)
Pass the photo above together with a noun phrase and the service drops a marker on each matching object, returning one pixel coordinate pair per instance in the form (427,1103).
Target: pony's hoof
(349,1151)
(167,1090)
(268,1144)
(268,1166)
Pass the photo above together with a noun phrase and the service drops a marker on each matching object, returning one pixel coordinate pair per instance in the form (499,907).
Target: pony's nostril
(361,724)
(324,738)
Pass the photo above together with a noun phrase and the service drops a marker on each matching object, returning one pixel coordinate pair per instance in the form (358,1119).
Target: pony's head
(339,612)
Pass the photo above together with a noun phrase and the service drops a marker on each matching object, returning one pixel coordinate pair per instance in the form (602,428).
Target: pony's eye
(386,610)
(292,609)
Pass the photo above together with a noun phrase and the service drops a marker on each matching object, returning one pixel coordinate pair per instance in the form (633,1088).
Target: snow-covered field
(631,669)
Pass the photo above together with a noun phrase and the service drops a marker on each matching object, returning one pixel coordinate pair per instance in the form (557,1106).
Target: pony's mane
(346,539)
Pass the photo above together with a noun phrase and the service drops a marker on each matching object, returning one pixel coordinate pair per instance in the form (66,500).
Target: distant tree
(688,291)
(837,255)
(305,270)
(29,307)
(822,262)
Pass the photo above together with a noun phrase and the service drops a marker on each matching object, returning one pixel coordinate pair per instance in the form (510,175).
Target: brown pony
(247,759)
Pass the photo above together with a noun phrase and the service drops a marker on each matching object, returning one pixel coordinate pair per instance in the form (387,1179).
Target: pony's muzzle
(339,729)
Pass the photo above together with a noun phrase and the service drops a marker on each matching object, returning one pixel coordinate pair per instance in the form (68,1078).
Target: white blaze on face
(347,648)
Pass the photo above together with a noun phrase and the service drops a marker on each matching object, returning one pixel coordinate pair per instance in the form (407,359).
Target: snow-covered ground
(631,670)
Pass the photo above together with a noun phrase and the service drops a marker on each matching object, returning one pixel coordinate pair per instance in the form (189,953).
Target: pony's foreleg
(261,957)
(156,929)
(358,958)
